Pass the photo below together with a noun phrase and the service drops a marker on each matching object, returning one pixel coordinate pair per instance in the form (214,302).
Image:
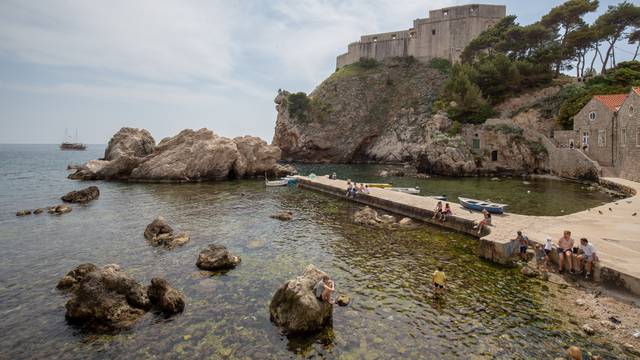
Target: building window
(585,140)
(475,144)
(602,138)
(592,116)
(412,34)
(494,155)
(630,110)
(375,38)
(445,13)
(623,137)
(433,32)
(393,37)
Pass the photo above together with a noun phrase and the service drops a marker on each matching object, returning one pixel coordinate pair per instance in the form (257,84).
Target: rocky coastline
(190,156)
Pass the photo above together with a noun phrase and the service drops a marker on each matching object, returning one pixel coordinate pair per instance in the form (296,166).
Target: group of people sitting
(440,213)
(585,253)
(353,189)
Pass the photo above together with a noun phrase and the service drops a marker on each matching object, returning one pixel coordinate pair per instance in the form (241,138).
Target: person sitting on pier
(439,280)
(438,210)
(548,247)
(354,189)
(565,243)
(324,288)
(447,211)
(365,189)
(588,255)
(349,187)
(485,222)
(523,243)
(333,176)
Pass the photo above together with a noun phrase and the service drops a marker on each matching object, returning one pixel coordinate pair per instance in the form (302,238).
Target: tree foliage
(299,105)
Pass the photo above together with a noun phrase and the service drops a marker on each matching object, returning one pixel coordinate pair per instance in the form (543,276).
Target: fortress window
(445,12)
(473,10)
(412,34)
(433,32)
(494,155)
(375,38)
(393,37)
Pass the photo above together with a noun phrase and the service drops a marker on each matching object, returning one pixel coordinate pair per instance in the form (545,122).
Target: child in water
(324,288)
(439,280)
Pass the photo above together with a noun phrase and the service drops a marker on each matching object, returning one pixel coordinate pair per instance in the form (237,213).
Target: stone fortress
(444,34)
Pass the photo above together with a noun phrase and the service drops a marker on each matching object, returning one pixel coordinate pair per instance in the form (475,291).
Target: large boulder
(82,196)
(294,306)
(129,142)
(107,299)
(164,297)
(255,157)
(216,257)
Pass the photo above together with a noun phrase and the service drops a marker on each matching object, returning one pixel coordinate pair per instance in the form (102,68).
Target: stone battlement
(444,34)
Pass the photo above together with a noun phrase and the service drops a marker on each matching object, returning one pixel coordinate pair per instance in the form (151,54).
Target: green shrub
(440,64)
(367,63)
(538,149)
(506,129)
(299,105)
(455,128)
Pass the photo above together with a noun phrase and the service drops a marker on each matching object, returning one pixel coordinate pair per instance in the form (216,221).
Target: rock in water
(367,216)
(164,297)
(406,222)
(160,233)
(23,212)
(283,215)
(129,142)
(59,209)
(106,299)
(294,306)
(529,271)
(216,257)
(38,211)
(82,196)
(343,300)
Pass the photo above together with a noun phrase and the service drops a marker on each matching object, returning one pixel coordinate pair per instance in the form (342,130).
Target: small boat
(415,190)
(276,182)
(379,185)
(440,197)
(479,205)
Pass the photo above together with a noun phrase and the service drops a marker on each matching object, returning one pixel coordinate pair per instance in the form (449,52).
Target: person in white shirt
(548,247)
(588,255)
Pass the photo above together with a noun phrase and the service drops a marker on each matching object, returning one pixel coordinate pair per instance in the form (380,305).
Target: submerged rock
(59,209)
(38,211)
(343,300)
(529,271)
(294,306)
(106,299)
(82,196)
(283,215)
(164,297)
(216,257)
(23,212)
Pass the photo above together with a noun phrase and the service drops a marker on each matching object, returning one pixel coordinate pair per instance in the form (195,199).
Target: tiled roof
(613,102)
(637,90)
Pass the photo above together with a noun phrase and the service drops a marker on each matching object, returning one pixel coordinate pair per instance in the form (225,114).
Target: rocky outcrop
(189,156)
(283,215)
(159,233)
(129,142)
(294,306)
(368,216)
(384,115)
(107,299)
(216,257)
(23,212)
(166,299)
(59,209)
(82,196)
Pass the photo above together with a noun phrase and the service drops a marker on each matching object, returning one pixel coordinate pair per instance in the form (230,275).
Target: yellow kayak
(379,185)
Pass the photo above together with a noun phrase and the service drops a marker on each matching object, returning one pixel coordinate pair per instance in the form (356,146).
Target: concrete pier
(611,228)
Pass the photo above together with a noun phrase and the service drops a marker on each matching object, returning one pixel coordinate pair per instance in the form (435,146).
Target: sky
(165,65)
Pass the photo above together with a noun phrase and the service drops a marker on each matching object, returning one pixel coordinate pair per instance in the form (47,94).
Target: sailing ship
(74,145)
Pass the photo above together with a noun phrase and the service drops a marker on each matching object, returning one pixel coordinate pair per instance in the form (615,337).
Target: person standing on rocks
(523,243)
(565,245)
(324,288)
(588,255)
(439,280)
(548,247)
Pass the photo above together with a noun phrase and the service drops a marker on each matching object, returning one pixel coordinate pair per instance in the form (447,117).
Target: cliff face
(360,114)
(382,114)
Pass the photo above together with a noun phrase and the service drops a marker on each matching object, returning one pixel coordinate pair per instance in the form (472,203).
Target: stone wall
(599,130)
(444,35)
(564,138)
(628,145)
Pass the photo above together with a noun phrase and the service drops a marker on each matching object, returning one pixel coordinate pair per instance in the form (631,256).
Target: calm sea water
(489,312)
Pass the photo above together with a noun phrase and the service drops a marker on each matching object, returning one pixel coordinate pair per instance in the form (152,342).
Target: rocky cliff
(382,112)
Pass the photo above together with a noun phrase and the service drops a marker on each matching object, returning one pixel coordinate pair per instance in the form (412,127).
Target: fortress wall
(379,50)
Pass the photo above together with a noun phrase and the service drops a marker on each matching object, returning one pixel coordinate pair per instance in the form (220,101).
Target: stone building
(444,34)
(607,130)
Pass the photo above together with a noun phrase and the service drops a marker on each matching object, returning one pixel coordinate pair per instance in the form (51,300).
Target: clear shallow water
(489,312)
(540,196)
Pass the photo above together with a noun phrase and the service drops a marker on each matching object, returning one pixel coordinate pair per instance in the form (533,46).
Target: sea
(489,311)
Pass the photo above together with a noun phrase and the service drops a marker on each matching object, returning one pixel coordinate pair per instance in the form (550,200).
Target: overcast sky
(96,66)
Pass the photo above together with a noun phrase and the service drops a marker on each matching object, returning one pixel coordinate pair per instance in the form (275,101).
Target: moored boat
(415,190)
(272,183)
(379,185)
(440,197)
(479,205)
